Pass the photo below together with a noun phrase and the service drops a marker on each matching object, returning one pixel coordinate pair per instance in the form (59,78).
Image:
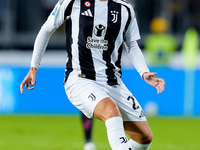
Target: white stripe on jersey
(75,31)
(117,43)
(98,54)
(108,27)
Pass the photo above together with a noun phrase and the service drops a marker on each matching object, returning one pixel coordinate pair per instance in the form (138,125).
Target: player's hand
(29,79)
(158,83)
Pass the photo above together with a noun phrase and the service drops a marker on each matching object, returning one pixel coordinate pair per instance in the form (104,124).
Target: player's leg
(135,123)
(140,134)
(108,111)
(87,127)
(93,101)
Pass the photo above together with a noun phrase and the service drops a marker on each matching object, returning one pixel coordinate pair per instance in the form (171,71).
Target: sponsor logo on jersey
(114,16)
(99,30)
(87,13)
(87,4)
(94,43)
(55,11)
(98,42)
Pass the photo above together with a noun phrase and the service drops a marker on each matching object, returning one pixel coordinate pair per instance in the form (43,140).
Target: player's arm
(139,63)
(53,22)
(40,45)
(136,56)
(134,52)
(38,52)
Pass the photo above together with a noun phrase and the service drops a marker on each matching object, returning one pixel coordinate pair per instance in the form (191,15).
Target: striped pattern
(95,35)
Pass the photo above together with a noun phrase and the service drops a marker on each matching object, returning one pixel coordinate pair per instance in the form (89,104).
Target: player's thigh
(84,94)
(139,131)
(106,109)
(128,105)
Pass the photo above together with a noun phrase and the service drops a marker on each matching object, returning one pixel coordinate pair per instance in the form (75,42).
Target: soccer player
(87,127)
(96,32)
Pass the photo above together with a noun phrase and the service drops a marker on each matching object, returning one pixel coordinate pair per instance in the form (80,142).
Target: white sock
(138,146)
(116,134)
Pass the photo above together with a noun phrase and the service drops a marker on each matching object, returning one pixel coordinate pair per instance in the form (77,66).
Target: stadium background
(20,21)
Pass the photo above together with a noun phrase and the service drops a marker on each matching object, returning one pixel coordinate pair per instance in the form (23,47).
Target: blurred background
(169,40)
(20,20)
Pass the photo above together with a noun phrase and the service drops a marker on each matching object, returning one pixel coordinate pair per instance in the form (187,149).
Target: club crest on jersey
(114,16)
(92,96)
(87,4)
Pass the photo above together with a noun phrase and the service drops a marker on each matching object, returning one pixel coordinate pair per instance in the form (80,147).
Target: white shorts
(85,94)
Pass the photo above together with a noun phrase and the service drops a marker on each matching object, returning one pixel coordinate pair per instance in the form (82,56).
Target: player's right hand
(29,79)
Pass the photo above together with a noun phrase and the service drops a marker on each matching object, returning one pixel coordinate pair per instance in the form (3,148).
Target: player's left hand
(158,83)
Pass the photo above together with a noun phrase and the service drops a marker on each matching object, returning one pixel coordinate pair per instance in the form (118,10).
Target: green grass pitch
(29,132)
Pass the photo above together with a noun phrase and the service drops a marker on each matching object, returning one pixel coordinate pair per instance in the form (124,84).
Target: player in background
(97,30)
(87,127)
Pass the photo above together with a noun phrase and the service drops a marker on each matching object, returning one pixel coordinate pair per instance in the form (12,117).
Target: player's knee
(147,138)
(111,110)
(107,109)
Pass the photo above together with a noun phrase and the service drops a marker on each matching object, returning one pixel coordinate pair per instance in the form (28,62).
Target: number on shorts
(133,100)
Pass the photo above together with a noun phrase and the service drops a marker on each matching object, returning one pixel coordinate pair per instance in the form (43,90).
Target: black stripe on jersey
(68,28)
(85,30)
(113,28)
(68,10)
(129,18)
(118,62)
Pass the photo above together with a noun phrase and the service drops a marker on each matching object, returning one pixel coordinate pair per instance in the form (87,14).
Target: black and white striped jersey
(95,32)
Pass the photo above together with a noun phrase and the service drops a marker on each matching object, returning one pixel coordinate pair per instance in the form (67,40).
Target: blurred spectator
(159,44)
